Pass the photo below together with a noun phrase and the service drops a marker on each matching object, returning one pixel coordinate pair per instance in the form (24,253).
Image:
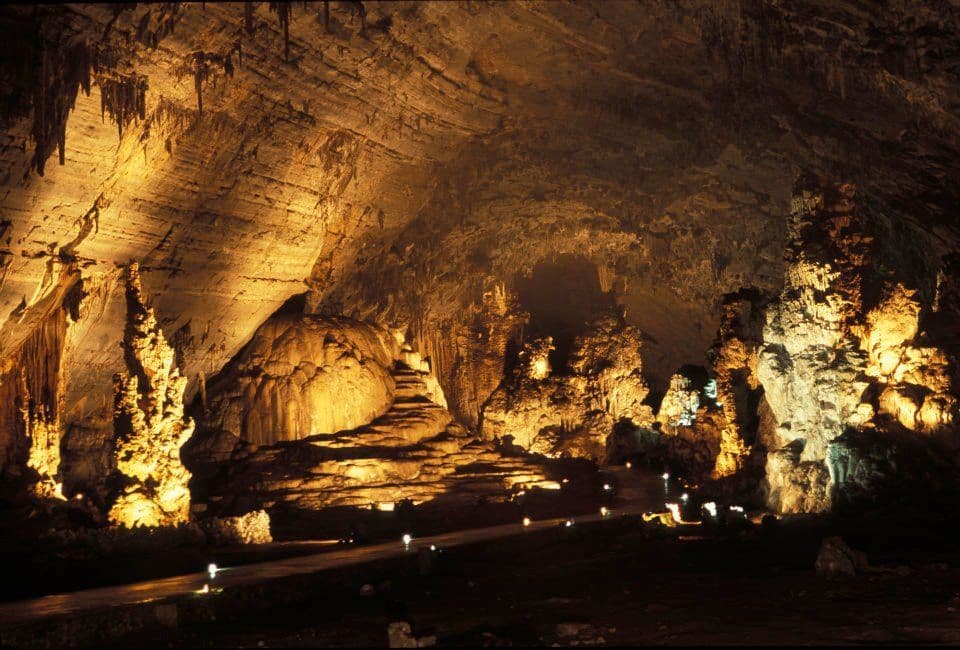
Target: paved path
(643,493)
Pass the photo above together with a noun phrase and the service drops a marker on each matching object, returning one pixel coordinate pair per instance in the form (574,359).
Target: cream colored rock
(572,413)
(251,528)
(413,452)
(680,404)
(149,421)
(301,376)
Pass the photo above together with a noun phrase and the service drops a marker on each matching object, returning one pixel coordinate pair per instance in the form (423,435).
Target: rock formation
(411,451)
(149,421)
(573,411)
(734,361)
(436,171)
(832,366)
(303,376)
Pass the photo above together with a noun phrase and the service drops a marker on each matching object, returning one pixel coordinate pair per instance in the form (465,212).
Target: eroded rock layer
(302,376)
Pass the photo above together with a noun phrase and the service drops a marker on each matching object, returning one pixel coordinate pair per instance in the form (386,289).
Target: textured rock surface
(251,528)
(573,411)
(303,376)
(413,452)
(836,559)
(830,362)
(417,169)
(149,423)
(734,361)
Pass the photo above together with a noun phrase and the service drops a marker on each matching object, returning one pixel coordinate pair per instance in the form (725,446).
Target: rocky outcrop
(738,392)
(300,376)
(574,411)
(149,423)
(841,355)
(251,528)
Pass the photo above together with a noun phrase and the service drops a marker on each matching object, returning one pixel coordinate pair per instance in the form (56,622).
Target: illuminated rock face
(251,528)
(406,174)
(824,346)
(149,421)
(414,451)
(572,413)
(300,376)
(734,361)
(679,405)
(917,386)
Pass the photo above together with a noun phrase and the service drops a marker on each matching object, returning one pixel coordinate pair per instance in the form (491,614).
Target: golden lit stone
(149,422)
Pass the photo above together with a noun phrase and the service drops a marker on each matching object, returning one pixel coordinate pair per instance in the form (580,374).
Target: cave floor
(617,582)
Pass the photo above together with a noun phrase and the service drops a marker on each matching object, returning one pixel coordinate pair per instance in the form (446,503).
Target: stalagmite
(149,422)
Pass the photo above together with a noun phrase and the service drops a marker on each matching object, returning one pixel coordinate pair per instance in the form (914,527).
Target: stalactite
(61,71)
(31,394)
(282,9)
(124,99)
(202,64)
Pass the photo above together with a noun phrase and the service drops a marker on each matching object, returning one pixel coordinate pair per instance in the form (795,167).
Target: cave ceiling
(402,158)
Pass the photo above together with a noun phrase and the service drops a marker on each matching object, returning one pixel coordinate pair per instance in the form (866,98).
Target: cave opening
(562,295)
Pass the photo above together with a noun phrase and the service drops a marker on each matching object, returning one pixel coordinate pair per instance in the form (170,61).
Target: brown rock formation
(415,452)
(303,376)
(734,361)
(828,354)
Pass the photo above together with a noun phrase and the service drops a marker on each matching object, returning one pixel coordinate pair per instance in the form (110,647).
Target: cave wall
(407,166)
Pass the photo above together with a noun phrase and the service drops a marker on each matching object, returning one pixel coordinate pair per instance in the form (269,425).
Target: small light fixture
(78,496)
(212,570)
(629,464)
(666,476)
(433,547)
(607,487)
(566,480)
(204,590)
(604,511)
(711,508)
(406,539)
(526,521)
(684,496)
(569,523)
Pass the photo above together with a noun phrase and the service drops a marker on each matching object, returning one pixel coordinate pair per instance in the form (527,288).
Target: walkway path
(640,492)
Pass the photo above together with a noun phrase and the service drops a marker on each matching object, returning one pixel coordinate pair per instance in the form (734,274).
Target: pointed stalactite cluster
(158,22)
(124,99)
(61,71)
(202,65)
(44,64)
(149,422)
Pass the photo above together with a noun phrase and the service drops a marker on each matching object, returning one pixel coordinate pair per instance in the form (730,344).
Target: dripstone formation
(354,254)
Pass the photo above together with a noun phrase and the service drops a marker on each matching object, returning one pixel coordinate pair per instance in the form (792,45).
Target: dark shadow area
(562,295)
